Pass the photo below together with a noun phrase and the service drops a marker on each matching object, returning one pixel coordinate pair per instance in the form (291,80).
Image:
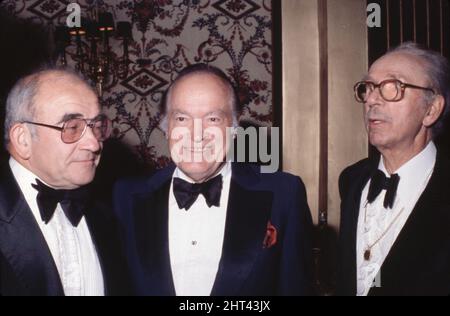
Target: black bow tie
(187,193)
(380,182)
(72,202)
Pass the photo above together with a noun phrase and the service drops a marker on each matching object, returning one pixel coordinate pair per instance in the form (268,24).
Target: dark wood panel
(434,31)
(377,36)
(421,21)
(446,28)
(408,20)
(277,71)
(426,22)
(323,165)
(394,22)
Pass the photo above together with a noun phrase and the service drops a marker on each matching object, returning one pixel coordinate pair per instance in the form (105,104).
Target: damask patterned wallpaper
(235,35)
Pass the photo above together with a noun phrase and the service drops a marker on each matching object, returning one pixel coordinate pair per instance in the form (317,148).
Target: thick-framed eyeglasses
(73,130)
(392,90)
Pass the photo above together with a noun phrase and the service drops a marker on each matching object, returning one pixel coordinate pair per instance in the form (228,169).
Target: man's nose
(198,131)
(89,141)
(373,97)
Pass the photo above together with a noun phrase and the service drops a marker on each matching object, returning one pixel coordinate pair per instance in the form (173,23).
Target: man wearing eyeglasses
(395,210)
(54,239)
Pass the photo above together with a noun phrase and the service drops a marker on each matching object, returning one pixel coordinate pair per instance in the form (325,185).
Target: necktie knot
(187,193)
(72,202)
(380,182)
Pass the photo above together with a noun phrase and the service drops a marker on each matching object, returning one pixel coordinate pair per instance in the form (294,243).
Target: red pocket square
(271,236)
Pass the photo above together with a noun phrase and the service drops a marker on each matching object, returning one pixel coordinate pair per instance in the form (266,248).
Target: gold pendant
(367,255)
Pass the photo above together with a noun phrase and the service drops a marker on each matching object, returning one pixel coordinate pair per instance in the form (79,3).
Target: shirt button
(194,242)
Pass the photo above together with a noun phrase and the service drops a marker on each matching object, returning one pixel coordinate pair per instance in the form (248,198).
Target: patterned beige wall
(168,35)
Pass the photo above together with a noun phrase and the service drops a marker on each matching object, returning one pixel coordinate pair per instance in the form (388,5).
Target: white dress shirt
(196,239)
(72,248)
(378,228)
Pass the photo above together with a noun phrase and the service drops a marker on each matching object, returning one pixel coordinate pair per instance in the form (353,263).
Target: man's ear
(20,138)
(434,111)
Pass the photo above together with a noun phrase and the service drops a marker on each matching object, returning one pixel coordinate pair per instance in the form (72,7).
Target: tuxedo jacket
(419,260)
(246,267)
(27,267)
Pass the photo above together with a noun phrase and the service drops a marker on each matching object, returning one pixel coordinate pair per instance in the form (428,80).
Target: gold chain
(367,251)
(369,248)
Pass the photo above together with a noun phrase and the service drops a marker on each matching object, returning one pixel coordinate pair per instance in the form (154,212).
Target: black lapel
(351,204)
(23,245)
(247,216)
(424,233)
(105,236)
(152,229)
(98,229)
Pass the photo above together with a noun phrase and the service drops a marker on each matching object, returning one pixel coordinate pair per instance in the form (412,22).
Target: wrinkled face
(393,125)
(61,165)
(199,112)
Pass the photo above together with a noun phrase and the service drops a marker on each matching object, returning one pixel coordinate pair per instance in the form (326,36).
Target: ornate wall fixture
(93,55)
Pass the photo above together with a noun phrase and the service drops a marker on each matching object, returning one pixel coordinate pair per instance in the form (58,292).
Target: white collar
(25,178)
(415,171)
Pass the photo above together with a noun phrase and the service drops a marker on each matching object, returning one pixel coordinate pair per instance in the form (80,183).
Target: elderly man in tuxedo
(54,238)
(208,226)
(395,221)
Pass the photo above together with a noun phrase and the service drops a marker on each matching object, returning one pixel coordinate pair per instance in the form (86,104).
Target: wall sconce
(89,47)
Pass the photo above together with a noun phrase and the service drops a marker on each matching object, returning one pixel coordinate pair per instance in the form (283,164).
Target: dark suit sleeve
(339,269)
(122,192)
(296,267)
(9,285)
(344,281)
(2,277)
(343,189)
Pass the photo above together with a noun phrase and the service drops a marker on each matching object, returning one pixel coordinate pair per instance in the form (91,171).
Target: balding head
(437,69)
(21,102)
(207,70)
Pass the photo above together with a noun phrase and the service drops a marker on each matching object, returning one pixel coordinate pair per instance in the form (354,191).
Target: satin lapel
(98,229)
(152,229)
(104,237)
(23,245)
(247,216)
(352,205)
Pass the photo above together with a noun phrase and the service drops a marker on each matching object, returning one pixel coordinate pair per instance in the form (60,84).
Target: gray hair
(20,104)
(202,69)
(437,69)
